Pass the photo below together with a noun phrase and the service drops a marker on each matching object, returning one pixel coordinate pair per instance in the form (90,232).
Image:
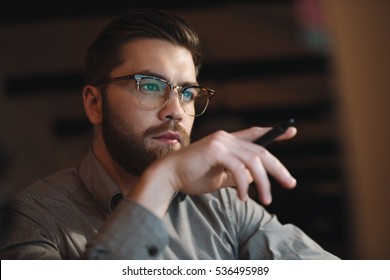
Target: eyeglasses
(154,92)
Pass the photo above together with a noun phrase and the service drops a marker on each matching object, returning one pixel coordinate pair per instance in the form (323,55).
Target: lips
(169,137)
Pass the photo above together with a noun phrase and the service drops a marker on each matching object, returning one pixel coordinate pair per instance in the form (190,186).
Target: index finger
(253,133)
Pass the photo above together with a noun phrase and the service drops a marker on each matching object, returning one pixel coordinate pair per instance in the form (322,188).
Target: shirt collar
(101,186)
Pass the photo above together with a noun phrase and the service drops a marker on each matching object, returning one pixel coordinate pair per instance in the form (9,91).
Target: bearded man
(143,191)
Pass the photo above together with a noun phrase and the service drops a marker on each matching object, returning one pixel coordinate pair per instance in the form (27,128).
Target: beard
(129,146)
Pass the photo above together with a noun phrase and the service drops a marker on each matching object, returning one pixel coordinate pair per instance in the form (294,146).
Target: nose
(172,109)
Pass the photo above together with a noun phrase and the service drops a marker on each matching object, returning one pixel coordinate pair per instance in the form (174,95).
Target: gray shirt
(80,213)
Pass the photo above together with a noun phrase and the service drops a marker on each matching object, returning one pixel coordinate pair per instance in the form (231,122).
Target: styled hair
(105,53)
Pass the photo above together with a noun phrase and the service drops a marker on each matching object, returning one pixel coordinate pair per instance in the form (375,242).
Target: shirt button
(152,250)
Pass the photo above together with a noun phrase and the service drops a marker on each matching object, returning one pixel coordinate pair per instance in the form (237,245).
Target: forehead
(158,56)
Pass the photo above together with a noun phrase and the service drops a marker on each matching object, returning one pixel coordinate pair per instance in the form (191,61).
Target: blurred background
(324,63)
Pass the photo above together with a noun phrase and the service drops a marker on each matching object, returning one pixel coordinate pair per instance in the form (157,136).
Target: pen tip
(285,125)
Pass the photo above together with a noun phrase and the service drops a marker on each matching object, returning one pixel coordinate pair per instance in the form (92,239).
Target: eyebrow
(154,74)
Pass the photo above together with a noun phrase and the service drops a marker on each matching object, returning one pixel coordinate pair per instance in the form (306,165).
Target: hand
(225,159)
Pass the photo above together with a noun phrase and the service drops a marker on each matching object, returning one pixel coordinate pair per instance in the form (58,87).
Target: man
(142,191)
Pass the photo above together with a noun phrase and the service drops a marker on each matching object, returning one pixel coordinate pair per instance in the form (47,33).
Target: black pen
(276,131)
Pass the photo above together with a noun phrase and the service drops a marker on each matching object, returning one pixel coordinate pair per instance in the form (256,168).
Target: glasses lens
(152,93)
(195,100)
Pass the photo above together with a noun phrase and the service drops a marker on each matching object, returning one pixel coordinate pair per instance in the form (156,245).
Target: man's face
(136,136)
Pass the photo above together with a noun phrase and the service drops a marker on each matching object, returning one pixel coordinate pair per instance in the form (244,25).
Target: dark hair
(105,53)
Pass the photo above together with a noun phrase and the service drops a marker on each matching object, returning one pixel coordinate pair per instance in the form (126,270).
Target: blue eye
(189,94)
(149,87)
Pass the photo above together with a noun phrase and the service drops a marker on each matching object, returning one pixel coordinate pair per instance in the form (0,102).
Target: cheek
(187,124)
(128,115)
(139,119)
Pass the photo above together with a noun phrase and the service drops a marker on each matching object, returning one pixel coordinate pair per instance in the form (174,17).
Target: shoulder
(54,189)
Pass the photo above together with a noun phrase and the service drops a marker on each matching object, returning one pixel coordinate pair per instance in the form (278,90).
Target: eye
(189,94)
(149,86)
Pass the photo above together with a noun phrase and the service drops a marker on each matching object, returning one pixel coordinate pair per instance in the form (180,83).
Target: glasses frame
(180,90)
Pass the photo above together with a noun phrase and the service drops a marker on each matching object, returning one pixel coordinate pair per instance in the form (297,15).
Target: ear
(92,99)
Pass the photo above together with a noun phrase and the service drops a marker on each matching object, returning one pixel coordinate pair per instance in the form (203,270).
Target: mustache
(174,126)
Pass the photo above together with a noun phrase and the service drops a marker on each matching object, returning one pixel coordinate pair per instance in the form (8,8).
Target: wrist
(153,190)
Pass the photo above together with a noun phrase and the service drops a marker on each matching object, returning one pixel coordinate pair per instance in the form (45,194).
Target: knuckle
(217,138)
(239,166)
(219,134)
(254,158)
(263,151)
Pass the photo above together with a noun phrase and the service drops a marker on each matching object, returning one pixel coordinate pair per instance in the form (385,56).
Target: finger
(246,158)
(261,179)
(260,162)
(229,181)
(277,170)
(238,174)
(248,153)
(253,133)
(290,133)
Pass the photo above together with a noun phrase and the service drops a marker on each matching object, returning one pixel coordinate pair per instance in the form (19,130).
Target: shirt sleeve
(262,236)
(29,236)
(131,232)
